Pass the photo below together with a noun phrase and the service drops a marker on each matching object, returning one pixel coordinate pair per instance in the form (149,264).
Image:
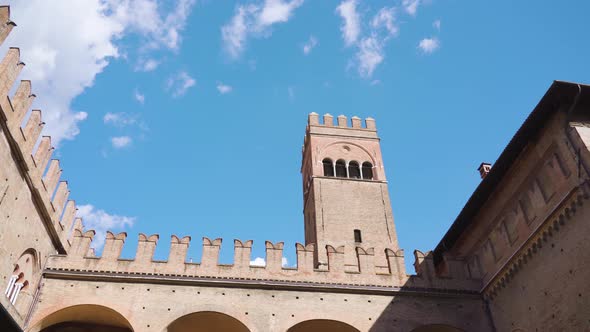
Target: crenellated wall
(36,215)
(366,272)
(521,261)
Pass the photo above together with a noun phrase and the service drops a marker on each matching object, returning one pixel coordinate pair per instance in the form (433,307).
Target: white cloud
(370,47)
(120,142)
(120,119)
(277,11)
(101,221)
(351,25)
(369,55)
(234,33)
(309,45)
(224,88)
(436,25)
(411,6)
(146,64)
(255,20)
(145,18)
(139,96)
(429,45)
(259,261)
(64,52)
(385,18)
(180,83)
(291,92)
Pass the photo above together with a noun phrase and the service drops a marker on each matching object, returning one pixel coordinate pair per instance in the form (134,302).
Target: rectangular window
(357,236)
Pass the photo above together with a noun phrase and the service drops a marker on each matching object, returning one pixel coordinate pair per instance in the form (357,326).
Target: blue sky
(187,117)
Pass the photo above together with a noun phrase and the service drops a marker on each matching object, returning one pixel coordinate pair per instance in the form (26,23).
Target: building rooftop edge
(559,93)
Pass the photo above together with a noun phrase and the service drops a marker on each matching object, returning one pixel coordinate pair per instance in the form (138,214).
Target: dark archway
(84,318)
(207,321)
(322,325)
(437,328)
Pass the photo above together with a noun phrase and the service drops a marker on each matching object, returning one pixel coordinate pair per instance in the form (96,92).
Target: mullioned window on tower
(351,169)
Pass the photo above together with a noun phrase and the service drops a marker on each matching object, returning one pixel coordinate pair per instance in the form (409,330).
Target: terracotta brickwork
(519,262)
(352,197)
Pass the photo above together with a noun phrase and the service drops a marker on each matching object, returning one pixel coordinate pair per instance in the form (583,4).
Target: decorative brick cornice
(558,218)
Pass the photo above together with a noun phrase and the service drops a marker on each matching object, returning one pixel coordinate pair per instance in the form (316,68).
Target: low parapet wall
(81,258)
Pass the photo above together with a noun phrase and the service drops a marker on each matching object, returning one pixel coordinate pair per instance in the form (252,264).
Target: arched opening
(437,328)
(354,170)
(322,325)
(84,318)
(18,283)
(207,321)
(341,168)
(367,171)
(328,167)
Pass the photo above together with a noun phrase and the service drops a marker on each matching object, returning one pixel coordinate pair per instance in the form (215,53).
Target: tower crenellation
(355,122)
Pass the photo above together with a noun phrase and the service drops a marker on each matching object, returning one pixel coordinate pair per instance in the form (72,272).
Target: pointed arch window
(367,171)
(328,167)
(354,170)
(341,169)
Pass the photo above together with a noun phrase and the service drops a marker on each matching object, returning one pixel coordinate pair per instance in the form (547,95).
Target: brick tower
(345,196)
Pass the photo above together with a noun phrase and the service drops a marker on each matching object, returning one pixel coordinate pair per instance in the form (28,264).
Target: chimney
(484,169)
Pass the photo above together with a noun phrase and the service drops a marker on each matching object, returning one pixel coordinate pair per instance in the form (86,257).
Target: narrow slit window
(367,171)
(354,171)
(357,236)
(341,169)
(328,167)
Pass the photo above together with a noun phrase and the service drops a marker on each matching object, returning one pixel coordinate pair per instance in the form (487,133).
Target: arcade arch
(207,321)
(322,325)
(83,318)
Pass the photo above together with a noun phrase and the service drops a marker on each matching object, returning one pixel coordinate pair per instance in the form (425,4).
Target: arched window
(367,171)
(328,167)
(341,169)
(354,171)
(23,271)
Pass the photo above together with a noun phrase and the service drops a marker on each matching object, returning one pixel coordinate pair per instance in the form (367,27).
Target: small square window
(357,236)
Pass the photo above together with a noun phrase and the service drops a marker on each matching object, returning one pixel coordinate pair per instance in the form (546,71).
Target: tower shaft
(346,199)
